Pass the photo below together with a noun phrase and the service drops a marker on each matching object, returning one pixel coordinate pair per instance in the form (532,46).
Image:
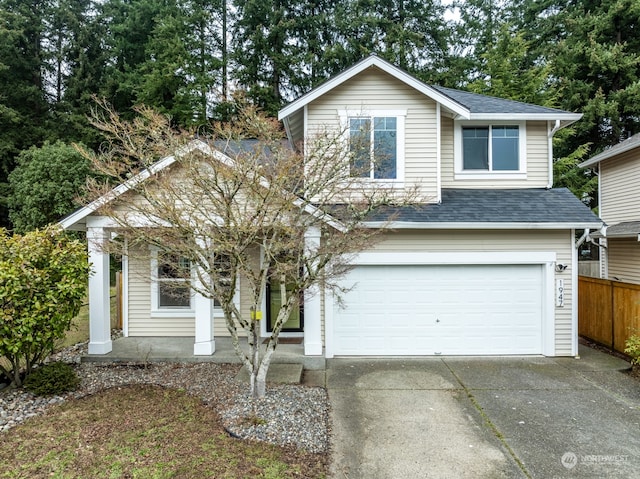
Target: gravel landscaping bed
(291,415)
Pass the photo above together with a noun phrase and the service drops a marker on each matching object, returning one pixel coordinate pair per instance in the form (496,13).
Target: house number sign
(560,293)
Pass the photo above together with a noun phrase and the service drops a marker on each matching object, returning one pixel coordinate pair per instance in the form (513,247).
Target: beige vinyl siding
(296,128)
(375,90)
(558,241)
(619,190)
(537,160)
(141,323)
(446,152)
(624,260)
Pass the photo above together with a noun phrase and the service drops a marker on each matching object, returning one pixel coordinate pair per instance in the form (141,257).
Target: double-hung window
(376,144)
(483,149)
(173,274)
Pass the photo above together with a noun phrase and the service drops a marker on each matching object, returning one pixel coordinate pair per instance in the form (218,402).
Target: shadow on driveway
(484,417)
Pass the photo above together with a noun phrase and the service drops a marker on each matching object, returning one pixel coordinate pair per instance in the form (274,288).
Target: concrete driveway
(452,417)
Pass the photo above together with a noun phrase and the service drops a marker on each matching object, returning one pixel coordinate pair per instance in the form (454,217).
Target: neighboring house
(488,265)
(618,171)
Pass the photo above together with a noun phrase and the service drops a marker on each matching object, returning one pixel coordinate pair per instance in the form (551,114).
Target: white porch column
(312,316)
(204,344)
(99,304)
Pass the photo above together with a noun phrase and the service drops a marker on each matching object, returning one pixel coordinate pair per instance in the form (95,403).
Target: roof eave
(387,67)
(635,236)
(480,225)
(566,119)
(605,155)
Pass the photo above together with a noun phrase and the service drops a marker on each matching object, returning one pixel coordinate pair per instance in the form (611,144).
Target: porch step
(278,373)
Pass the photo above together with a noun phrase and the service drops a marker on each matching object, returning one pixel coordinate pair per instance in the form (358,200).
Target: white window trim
(158,311)
(462,174)
(176,312)
(400,116)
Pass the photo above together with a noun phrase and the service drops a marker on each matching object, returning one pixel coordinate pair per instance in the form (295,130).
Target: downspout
(582,238)
(574,292)
(438,154)
(550,152)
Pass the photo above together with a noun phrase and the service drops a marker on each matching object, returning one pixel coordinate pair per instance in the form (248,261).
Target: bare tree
(239,207)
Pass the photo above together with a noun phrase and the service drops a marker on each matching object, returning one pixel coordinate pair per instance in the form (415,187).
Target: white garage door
(427,310)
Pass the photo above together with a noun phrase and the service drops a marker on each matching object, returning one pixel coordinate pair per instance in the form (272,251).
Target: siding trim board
(480,226)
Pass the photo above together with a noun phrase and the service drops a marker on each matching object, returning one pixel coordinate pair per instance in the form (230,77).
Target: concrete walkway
(484,417)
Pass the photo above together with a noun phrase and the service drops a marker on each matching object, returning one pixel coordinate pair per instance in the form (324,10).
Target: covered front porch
(157,349)
(204,345)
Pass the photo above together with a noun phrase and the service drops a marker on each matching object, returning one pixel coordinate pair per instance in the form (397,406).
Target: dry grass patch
(143,432)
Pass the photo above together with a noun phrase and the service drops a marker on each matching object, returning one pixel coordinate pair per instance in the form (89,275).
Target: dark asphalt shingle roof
(622,147)
(557,205)
(248,147)
(628,229)
(477,103)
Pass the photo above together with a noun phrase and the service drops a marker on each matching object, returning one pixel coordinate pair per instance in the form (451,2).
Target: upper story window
(376,144)
(374,147)
(490,148)
(482,150)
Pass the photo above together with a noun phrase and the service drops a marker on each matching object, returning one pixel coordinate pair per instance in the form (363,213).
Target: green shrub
(52,378)
(43,282)
(633,349)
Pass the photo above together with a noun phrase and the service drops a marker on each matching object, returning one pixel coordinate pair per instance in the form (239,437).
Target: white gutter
(550,147)
(477,226)
(567,117)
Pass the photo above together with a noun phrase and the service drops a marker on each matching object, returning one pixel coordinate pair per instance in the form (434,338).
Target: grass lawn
(80,325)
(142,432)
(79,331)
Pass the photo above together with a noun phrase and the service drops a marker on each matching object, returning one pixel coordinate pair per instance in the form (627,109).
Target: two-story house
(618,170)
(487,265)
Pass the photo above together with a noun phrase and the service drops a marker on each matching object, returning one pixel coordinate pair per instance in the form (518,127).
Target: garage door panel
(418,310)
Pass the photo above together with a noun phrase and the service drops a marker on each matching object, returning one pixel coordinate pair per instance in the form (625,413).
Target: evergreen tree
(509,73)
(23,106)
(598,69)
(265,51)
(76,63)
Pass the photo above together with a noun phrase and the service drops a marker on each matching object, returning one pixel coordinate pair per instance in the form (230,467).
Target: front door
(296,318)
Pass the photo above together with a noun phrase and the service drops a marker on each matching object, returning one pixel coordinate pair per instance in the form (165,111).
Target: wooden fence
(608,311)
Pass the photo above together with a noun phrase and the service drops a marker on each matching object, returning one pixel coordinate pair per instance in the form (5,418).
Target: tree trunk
(255,361)
(261,384)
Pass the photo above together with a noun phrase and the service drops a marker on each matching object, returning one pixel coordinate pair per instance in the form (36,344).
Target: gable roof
(373,61)
(77,219)
(465,105)
(538,208)
(622,147)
